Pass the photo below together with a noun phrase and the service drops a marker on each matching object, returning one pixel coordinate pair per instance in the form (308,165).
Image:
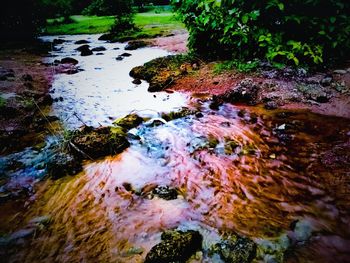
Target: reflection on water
(276,177)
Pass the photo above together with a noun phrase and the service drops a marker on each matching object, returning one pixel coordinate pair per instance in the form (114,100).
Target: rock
(58,41)
(177,114)
(46,100)
(125,54)
(99,54)
(83,48)
(322,98)
(101,48)
(325,82)
(133,45)
(176,246)
(129,121)
(199,115)
(80,42)
(245,92)
(27,77)
(339,72)
(236,249)
(98,142)
(271,105)
(137,81)
(119,58)
(23,233)
(165,192)
(62,164)
(68,60)
(86,53)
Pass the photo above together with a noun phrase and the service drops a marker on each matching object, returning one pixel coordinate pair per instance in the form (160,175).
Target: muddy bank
(25,100)
(322,92)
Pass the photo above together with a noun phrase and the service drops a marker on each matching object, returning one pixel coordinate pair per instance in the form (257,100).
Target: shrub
(310,32)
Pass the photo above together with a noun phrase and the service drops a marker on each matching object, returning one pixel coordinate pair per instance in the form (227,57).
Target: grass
(240,66)
(149,23)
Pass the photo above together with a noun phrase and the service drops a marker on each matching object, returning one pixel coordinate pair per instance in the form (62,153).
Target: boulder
(106,37)
(137,81)
(235,249)
(83,48)
(92,142)
(69,60)
(176,246)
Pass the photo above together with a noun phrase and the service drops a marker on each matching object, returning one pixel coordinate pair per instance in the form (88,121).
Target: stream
(278,177)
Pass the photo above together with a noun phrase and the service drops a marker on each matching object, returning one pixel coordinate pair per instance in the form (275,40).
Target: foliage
(241,66)
(19,19)
(283,32)
(109,7)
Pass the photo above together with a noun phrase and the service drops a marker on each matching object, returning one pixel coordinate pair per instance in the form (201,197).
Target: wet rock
(177,114)
(83,48)
(129,121)
(133,45)
(125,55)
(98,142)
(41,220)
(119,58)
(176,246)
(236,249)
(165,192)
(80,42)
(27,77)
(137,81)
(22,233)
(69,60)
(339,72)
(62,164)
(271,105)
(97,49)
(99,54)
(199,115)
(58,41)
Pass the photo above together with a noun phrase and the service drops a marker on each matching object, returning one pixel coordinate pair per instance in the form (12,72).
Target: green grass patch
(240,66)
(150,24)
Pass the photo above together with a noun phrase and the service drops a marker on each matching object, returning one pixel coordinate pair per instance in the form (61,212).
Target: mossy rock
(129,121)
(161,72)
(177,114)
(176,246)
(98,142)
(235,249)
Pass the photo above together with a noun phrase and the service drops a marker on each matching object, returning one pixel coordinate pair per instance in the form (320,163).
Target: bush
(109,7)
(310,32)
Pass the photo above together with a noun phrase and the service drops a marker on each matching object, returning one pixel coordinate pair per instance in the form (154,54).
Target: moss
(161,72)
(128,122)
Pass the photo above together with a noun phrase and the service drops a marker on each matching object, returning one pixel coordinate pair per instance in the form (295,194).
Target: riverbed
(278,177)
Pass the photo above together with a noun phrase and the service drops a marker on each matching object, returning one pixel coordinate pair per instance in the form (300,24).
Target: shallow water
(277,177)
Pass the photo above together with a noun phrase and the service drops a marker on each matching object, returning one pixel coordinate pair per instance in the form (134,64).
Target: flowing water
(278,177)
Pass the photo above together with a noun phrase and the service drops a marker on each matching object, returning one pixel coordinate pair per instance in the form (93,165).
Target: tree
(284,32)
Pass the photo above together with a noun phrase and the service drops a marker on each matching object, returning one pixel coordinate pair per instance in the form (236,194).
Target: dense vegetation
(283,32)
